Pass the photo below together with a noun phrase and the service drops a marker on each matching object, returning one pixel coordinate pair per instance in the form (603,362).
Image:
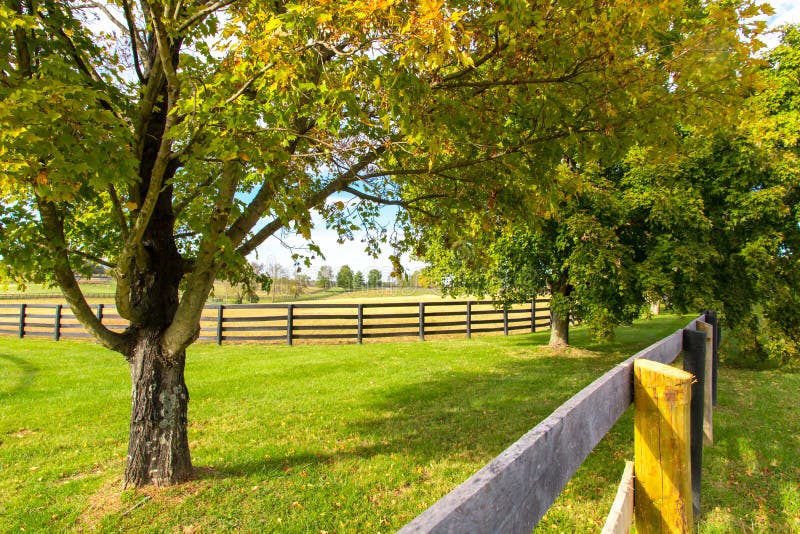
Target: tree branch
(83,65)
(196,192)
(165,54)
(53,230)
(23,54)
(136,42)
(199,15)
(405,204)
(337,184)
(486,84)
(118,213)
(92,258)
(185,324)
(476,63)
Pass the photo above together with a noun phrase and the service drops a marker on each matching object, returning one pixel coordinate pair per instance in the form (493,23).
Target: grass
(347,438)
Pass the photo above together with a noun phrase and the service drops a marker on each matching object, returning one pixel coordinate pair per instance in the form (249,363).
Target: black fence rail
(274,323)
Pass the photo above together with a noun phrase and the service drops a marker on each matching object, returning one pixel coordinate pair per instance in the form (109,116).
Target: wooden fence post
(469,319)
(663,485)
(360,326)
(708,408)
(422,321)
(220,319)
(21,321)
(713,320)
(99,313)
(694,362)
(533,316)
(505,321)
(57,323)
(289,323)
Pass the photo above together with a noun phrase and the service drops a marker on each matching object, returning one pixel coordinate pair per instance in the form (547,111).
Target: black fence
(270,323)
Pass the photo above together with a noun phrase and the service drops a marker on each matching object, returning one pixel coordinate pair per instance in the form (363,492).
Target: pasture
(349,438)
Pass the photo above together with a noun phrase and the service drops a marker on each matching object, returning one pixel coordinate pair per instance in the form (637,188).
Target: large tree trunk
(559,330)
(158,449)
(559,320)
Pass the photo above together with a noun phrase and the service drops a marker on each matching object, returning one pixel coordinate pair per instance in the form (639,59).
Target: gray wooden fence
(513,492)
(287,323)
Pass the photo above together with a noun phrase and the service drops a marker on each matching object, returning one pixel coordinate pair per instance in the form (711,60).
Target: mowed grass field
(349,438)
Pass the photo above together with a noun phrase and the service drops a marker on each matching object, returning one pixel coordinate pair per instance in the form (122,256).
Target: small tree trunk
(158,449)
(559,330)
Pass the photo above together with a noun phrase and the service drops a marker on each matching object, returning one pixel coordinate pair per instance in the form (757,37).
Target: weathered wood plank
(620,518)
(513,492)
(663,483)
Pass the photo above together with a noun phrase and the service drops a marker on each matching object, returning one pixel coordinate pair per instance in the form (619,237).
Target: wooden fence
(513,491)
(304,321)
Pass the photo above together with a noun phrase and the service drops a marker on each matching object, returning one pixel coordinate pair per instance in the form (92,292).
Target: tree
(344,278)
(374,278)
(358,280)
(167,140)
(597,254)
(324,277)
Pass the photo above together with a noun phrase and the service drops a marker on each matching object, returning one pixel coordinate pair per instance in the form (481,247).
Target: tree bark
(158,448)
(559,330)
(559,318)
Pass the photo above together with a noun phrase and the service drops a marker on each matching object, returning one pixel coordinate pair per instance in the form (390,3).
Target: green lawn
(347,438)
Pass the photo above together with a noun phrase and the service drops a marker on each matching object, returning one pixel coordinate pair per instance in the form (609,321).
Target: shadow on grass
(27,377)
(755,456)
(476,415)
(466,418)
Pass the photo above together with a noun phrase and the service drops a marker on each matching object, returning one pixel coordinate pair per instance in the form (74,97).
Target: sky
(352,253)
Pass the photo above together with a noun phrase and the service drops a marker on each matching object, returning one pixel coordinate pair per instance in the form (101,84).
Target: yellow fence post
(663,484)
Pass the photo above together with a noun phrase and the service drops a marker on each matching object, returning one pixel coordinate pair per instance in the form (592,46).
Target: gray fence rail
(287,323)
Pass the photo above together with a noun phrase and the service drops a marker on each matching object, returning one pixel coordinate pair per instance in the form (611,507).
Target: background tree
(598,254)
(325,277)
(358,280)
(374,278)
(171,146)
(344,278)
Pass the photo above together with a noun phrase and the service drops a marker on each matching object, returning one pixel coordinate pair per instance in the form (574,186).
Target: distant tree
(344,278)
(374,279)
(358,280)
(324,277)
(600,253)
(297,284)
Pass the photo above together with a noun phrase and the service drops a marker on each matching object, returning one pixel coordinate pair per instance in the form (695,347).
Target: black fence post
(21,321)
(469,319)
(289,323)
(57,323)
(505,320)
(713,320)
(99,313)
(220,319)
(694,362)
(533,316)
(422,321)
(360,330)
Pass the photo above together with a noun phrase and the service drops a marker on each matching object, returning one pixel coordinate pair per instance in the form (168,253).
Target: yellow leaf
(131,205)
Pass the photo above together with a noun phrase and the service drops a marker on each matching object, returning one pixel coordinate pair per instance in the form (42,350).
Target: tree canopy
(713,224)
(167,140)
